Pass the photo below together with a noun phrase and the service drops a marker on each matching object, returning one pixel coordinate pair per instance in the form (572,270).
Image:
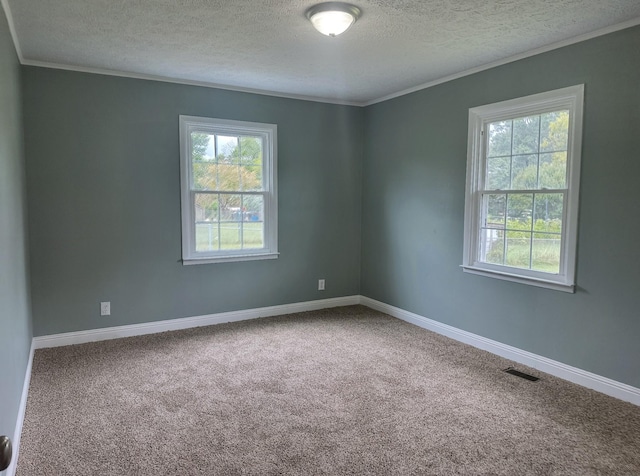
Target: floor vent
(513,371)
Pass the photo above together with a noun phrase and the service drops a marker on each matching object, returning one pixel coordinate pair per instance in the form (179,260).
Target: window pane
(253,208)
(204,175)
(554,131)
(499,142)
(207,238)
(251,150)
(251,163)
(230,207)
(548,212)
(519,211)
(498,173)
(553,170)
(518,249)
(206,207)
(227,150)
(231,235)
(203,161)
(492,246)
(253,235)
(526,131)
(202,147)
(253,226)
(250,178)
(228,177)
(524,172)
(546,253)
(230,222)
(206,217)
(494,206)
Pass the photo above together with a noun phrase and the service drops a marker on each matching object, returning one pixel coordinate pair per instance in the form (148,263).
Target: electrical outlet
(320,284)
(105,308)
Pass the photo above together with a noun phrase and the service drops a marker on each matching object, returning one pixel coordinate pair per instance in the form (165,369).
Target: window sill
(542,283)
(229,258)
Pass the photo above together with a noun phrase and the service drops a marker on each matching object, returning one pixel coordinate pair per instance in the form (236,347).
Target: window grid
(229,202)
(531,232)
(219,222)
(522,190)
(239,191)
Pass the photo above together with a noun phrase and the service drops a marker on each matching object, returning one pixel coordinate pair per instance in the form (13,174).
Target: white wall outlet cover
(321,285)
(105,308)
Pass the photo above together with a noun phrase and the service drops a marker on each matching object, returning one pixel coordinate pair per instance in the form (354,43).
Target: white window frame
(268,133)
(571,99)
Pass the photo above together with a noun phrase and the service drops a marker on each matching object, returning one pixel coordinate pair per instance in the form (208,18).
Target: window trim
(269,132)
(571,98)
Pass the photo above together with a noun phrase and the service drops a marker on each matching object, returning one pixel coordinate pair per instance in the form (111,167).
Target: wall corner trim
(81,337)
(13,467)
(590,380)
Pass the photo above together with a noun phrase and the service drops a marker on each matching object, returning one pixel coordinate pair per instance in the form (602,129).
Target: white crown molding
(543,49)
(150,77)
(187,82)
(558,369)
(93,335)
(81,69)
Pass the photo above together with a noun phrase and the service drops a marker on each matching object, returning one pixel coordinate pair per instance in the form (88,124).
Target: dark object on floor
(512,371)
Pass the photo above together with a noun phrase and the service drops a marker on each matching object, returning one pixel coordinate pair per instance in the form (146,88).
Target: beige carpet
(340,391)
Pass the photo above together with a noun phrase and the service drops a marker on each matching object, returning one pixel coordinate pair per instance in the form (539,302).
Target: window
(521,210)
(228,185)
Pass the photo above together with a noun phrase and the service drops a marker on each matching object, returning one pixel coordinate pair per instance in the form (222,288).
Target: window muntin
(522,188)
(229,207)
(524,191)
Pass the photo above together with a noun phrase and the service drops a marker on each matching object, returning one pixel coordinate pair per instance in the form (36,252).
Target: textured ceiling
(269,45)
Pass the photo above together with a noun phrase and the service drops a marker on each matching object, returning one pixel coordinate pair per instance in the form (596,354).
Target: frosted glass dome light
(333,18)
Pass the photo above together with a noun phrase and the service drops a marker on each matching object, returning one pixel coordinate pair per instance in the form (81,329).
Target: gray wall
(104,201)
(15,318)
(413,210)
(103,180)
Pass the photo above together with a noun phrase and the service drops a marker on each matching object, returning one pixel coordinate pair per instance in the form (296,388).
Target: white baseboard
(11,470)
(81,337)
(572,374)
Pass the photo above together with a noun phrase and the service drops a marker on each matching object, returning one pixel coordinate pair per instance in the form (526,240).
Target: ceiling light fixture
(333,18)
